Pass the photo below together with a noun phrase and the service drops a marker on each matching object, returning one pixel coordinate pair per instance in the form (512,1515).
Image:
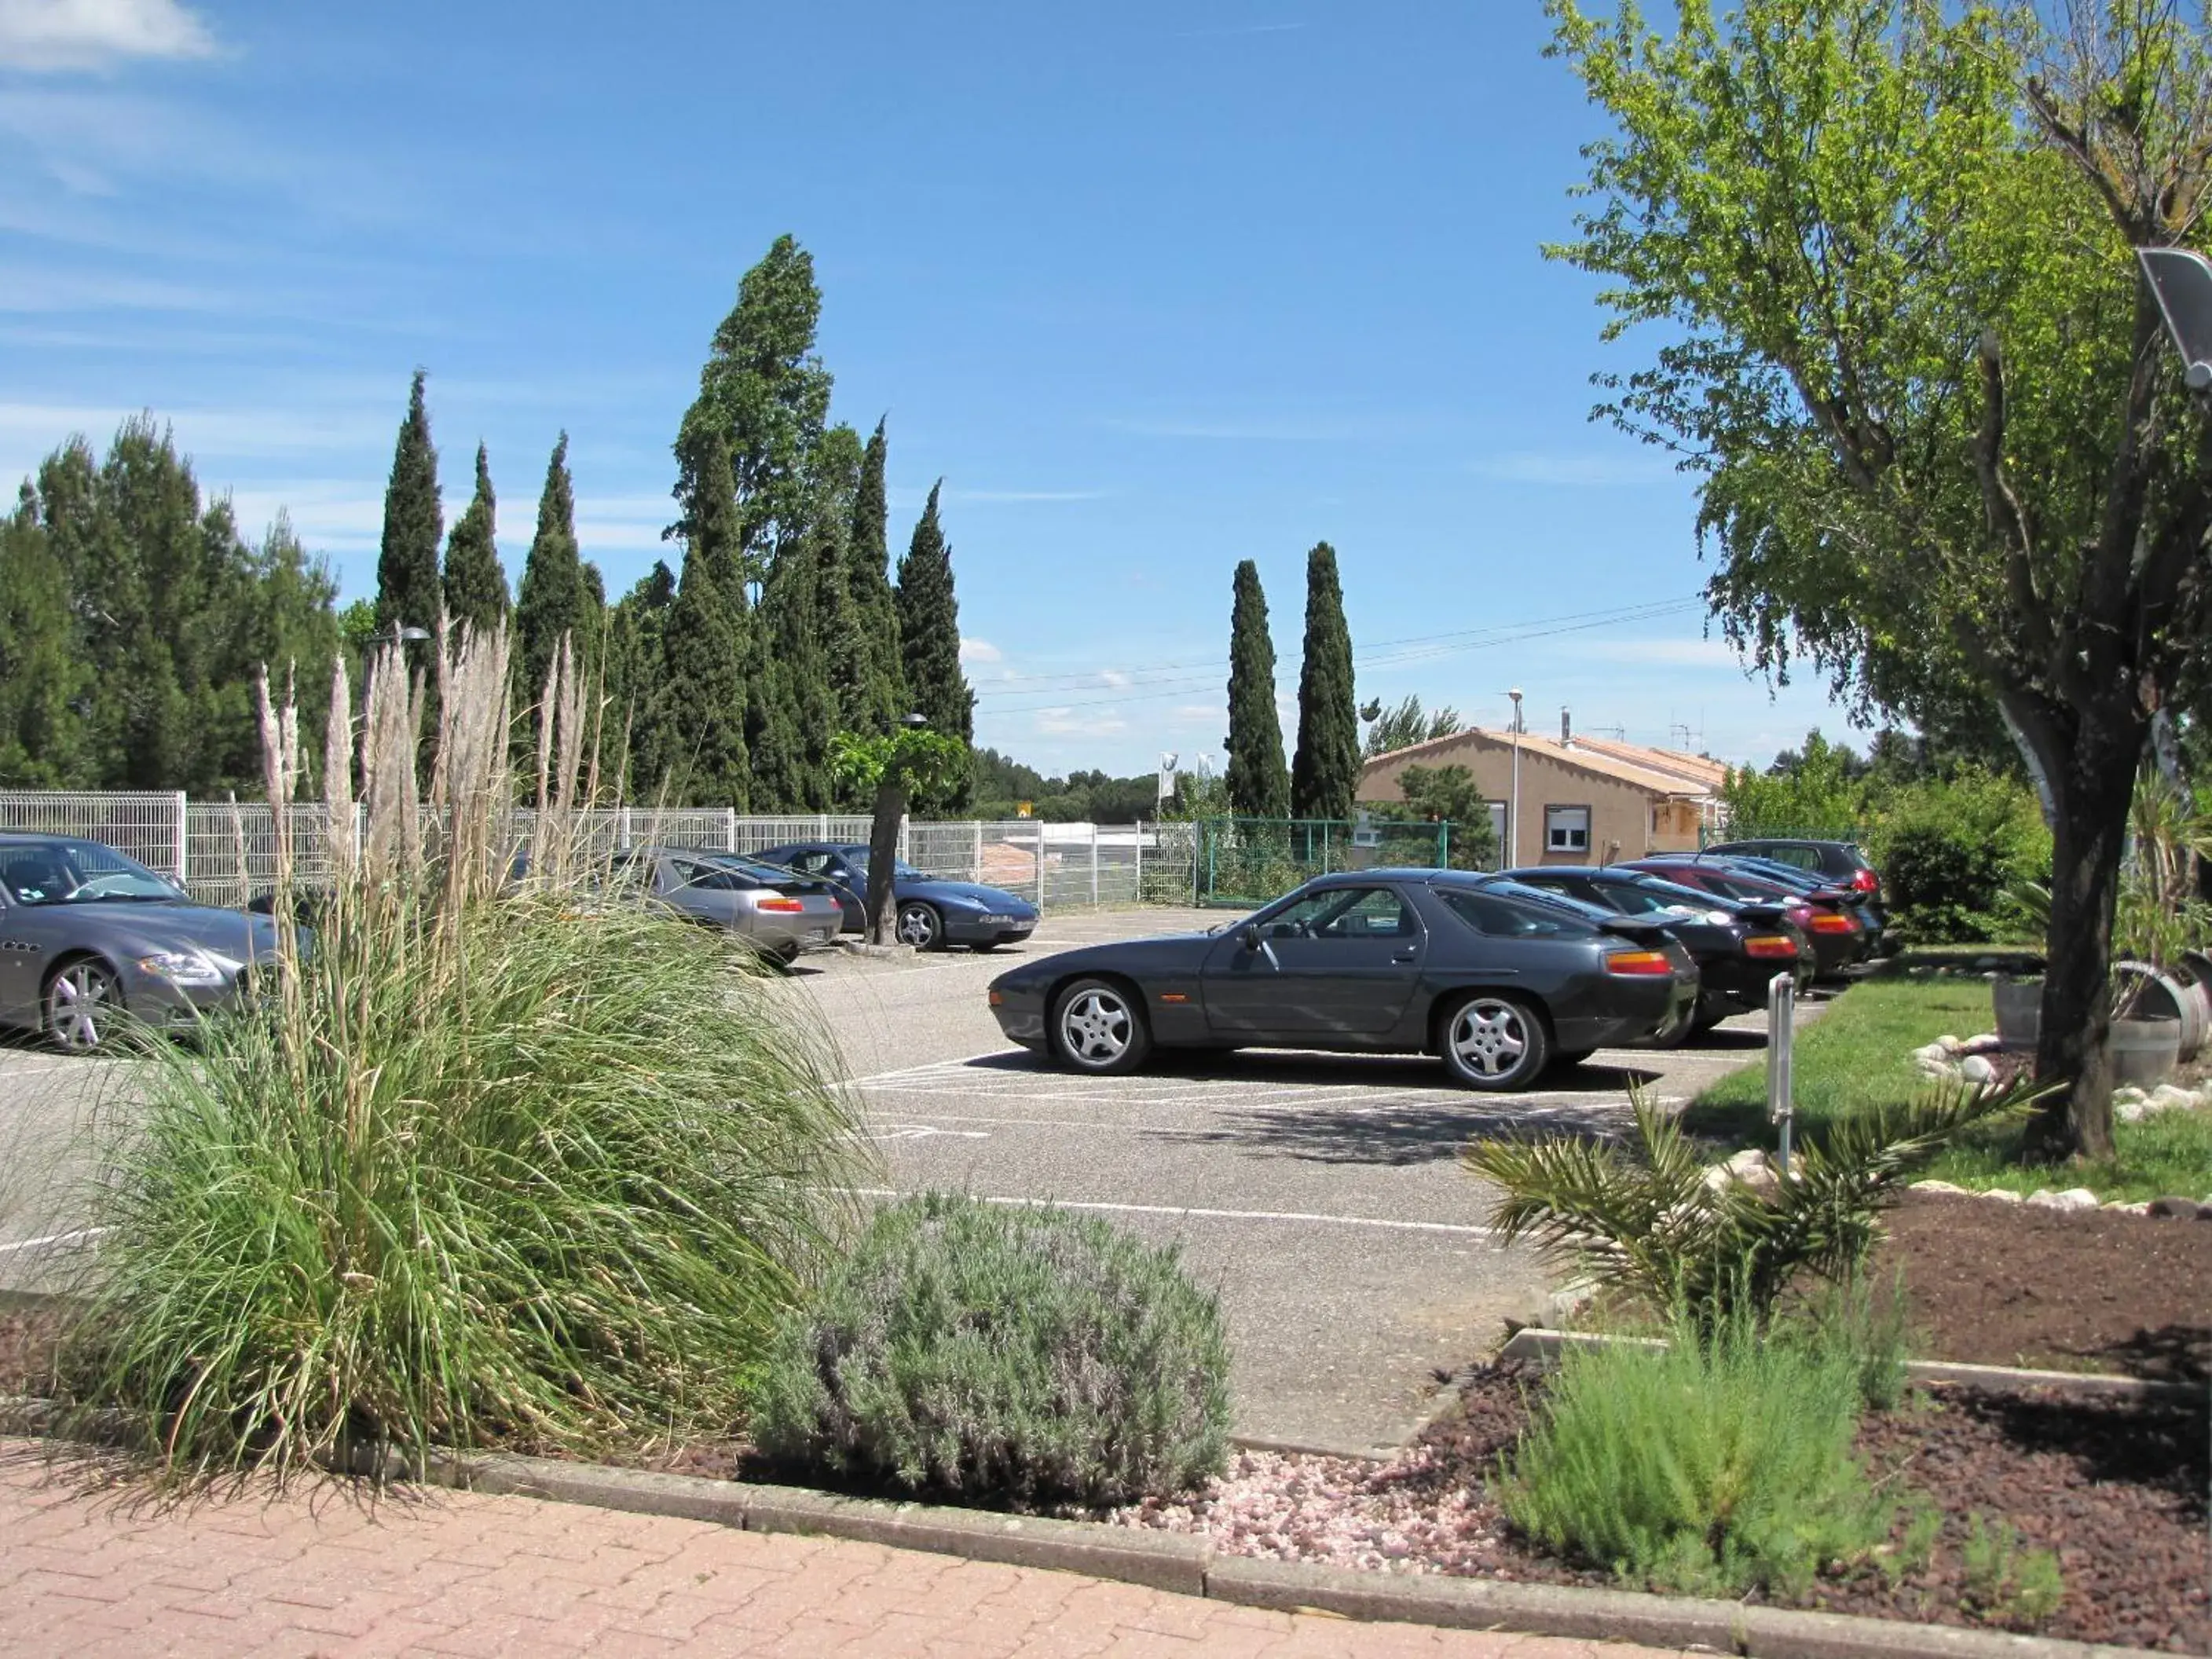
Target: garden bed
(2116,1490)
(1998,1284)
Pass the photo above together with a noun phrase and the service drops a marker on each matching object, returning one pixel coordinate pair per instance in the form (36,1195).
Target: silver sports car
(89,937)
(780,914)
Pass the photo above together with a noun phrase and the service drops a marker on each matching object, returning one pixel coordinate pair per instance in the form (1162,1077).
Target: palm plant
(1652,1223)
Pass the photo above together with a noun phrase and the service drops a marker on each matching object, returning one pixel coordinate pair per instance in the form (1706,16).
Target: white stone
(2139,1208)
(2003,1195)
(2127,1095)
(2168,1097)
(1989,1042)
(2129,1111)
(1976,1069)
(1936,1187)
(1949,1044)
(1748,1167)
(2074,1198)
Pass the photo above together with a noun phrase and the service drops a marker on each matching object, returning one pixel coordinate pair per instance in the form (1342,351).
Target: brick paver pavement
(458,1573)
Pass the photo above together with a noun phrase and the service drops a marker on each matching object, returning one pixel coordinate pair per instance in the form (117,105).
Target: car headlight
(182,967)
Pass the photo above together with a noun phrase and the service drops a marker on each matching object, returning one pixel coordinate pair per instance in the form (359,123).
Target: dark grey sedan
(1496,980)
(89,937)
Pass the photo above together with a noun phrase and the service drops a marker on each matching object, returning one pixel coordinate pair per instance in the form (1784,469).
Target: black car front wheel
(1494,1042)
(1098,1026)
(920,926)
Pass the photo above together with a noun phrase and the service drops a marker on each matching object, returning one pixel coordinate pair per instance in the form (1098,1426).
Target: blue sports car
(932,913)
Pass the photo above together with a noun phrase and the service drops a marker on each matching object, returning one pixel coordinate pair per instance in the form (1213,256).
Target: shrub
(1721,1463)
(2005,1583)
(500,1165)
(994,1351)
(1950,850)
(1653,1225)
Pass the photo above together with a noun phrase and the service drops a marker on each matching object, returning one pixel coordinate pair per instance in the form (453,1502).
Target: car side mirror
(1249,936)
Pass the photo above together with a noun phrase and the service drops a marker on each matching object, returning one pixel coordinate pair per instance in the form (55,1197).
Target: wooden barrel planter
(2165,993)
(2145,1051)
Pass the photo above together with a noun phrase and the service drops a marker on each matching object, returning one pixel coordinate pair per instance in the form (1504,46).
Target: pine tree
(929,629)
(42,672)
(698,725)
(407,594)
(1258,781)
(553,596)
(1325,772)
(476,581)
(875,612)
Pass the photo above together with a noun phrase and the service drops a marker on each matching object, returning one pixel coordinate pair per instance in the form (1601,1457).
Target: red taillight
(783,906)
(1642,963)
(1833,921)
(1800,915)
(1865,881)
(1769,944)
(998,998)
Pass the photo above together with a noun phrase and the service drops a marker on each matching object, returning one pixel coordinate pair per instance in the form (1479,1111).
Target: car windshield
(1679,896)
(900,868)
(78,872)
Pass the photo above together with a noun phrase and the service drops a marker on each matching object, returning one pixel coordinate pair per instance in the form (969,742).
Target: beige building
(1583,800)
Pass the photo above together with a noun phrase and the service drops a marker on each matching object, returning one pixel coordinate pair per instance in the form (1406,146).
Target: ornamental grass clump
(1003,1353)
(1719,1464)
(498,1160)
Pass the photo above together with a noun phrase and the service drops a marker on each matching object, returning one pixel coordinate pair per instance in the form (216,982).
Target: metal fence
(224,852)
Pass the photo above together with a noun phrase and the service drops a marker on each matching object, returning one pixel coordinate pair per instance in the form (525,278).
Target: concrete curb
(1543,1347)
(1186,1565)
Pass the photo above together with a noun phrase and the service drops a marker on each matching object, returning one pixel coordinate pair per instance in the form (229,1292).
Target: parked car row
(1500,976)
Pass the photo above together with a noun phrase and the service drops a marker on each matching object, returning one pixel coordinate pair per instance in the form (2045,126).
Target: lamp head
(915,721)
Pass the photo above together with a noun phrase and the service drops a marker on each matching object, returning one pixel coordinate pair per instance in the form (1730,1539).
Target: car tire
(1493,1042)
(920,926)
(1098,1026)
(1676,1032)
(83,1004)
(985,947)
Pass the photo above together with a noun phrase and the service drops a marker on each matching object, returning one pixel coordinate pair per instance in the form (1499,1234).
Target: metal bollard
(1781,1035)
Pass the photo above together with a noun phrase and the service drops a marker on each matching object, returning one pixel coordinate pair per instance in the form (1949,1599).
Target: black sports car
(1829,916)
(1496,979)
(933,913)
(1739,945)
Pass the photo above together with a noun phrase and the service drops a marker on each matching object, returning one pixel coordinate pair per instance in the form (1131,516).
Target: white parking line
(76,1237)
(1294,1216)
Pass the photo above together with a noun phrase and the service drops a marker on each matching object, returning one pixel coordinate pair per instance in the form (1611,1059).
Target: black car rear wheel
(1097,1026)
(1494,1042)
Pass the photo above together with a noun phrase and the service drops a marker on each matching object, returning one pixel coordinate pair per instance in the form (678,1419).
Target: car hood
(1161,953)
(991,898)
(164,927)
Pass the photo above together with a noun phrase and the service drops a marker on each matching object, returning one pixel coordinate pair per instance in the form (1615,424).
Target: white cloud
(1580,472)
(1069,722)
(1113,678)
(94,34)
(980,651)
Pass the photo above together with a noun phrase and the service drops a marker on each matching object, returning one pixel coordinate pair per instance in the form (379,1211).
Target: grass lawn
(1859,1052)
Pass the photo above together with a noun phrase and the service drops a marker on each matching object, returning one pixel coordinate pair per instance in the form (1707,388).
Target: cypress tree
(407,594)
(635,627)
(929,629)
(552,597)
(802,715)
(875,612)
(847,657)
(1325,771)
(42,672)
(699,725)
(476,582)
(1258,782)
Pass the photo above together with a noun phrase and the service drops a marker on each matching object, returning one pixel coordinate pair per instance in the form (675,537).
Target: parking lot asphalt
(1321,1196)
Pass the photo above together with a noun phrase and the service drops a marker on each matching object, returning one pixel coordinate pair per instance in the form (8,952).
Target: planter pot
(2165,993)
(2145,1051)
(2019,1012)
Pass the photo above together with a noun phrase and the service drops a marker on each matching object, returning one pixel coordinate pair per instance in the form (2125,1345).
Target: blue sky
(1154,287)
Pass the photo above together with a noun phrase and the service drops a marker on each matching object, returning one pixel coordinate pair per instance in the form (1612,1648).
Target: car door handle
(1410,953)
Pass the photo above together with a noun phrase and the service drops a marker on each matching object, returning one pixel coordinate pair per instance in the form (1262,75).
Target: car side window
(1344,913)
(1501,919)
(810,864)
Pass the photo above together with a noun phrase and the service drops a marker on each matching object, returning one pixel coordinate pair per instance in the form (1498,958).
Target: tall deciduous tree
(929,628)
(1406,725)
(1258,781)
(699,721)
(1325,772)
(476,581)
(42,675)
(1941,443)
(407,594)
(875,612)
(554,597)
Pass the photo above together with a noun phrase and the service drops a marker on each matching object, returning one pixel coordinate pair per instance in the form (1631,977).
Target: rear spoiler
(1635,927)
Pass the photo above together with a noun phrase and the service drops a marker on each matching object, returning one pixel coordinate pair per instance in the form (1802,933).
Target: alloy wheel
(1489,1037)
(1095,1028)
(917,925)
(81,1004)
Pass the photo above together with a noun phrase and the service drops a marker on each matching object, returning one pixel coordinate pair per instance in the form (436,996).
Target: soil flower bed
(2116,1489)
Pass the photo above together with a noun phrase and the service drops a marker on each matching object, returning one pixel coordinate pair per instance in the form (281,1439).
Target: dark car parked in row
(89,938)
(1739,946)
(933,913)
(1827,915)
(1496,979)
(1840,861)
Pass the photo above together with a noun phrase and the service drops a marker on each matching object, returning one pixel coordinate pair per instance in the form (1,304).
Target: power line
(1381,653)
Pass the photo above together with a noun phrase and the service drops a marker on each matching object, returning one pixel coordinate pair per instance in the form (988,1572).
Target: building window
(1566,828)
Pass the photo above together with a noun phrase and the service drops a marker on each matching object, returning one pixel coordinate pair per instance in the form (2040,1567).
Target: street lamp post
(1513,806)
(2181,280)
